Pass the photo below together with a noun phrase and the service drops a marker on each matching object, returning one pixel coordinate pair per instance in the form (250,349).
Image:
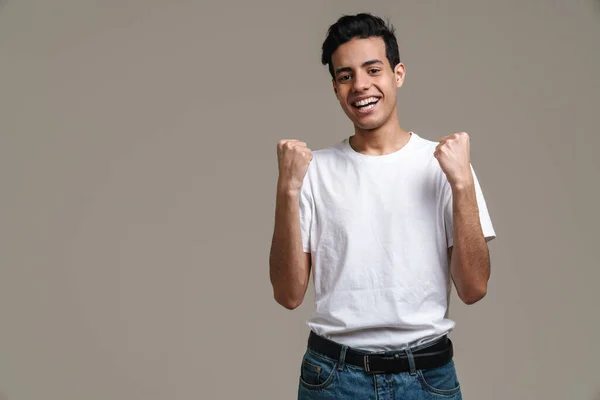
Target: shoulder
(323,160)
(424,143)
(327,155)
(331,151)
(424,150)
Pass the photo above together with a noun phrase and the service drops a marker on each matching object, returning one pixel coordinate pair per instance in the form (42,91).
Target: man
(386,220)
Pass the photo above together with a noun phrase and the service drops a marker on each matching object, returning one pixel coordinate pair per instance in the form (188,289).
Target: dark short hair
(362,25)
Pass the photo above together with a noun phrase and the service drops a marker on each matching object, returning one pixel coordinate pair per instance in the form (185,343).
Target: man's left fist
(453,154)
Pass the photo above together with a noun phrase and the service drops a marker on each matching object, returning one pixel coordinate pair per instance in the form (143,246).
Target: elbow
(291,305)
(474,294)
(288,302)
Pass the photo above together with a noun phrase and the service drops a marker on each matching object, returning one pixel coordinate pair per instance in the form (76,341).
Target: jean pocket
(441,380)
(317,371)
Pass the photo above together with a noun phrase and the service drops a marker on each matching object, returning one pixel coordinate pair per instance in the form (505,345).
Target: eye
(343,77)
(374,70)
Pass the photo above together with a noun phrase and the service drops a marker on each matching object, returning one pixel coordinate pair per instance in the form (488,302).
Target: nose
(361,82)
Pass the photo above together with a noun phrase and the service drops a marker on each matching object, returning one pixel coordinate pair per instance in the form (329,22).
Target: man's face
(365,84)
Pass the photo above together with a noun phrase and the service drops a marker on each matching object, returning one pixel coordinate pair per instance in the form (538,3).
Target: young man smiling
(386,220)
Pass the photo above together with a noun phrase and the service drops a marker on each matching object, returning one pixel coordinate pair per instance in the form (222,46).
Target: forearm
(470,264)
(287,259)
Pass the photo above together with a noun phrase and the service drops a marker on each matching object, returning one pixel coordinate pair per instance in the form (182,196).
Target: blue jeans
(324,378)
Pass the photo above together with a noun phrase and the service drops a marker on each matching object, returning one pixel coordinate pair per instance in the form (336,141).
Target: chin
(367,122)
(368,126)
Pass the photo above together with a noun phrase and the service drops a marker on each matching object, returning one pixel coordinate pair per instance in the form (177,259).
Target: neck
(388,138)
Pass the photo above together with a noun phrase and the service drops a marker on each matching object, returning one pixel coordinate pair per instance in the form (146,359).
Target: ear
(334,86)
(400,73)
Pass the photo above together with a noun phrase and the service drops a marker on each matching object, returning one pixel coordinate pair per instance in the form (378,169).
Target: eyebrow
(365,64)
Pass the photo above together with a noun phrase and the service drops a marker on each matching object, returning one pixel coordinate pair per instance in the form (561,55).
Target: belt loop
(411,361)
(342,359)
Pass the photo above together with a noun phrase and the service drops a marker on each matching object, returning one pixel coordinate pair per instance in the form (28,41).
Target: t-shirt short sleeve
(484,216)
(306,214)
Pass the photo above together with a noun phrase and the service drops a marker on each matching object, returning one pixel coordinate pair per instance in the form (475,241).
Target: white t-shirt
(378,229)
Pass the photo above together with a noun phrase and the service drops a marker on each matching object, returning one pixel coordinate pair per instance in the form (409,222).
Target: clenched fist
(453,155)
(293,159)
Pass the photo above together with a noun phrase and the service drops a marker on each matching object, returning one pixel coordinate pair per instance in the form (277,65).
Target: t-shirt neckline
(378,158)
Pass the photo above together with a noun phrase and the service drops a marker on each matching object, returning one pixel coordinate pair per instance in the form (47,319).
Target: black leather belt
(431,356)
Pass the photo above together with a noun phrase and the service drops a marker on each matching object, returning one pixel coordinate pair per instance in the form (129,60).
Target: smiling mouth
(366,104)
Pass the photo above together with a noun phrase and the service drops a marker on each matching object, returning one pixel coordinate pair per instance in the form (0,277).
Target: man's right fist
(293,158)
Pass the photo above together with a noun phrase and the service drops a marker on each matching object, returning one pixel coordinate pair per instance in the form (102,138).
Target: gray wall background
(138,169)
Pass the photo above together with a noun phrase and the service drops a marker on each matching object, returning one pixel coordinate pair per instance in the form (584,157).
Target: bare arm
(469,256)
(289,265)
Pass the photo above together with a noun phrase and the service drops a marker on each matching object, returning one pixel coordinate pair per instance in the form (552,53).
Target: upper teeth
(365,101)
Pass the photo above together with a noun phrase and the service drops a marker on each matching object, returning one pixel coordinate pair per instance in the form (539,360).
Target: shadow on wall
(597,7)
(2,4)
